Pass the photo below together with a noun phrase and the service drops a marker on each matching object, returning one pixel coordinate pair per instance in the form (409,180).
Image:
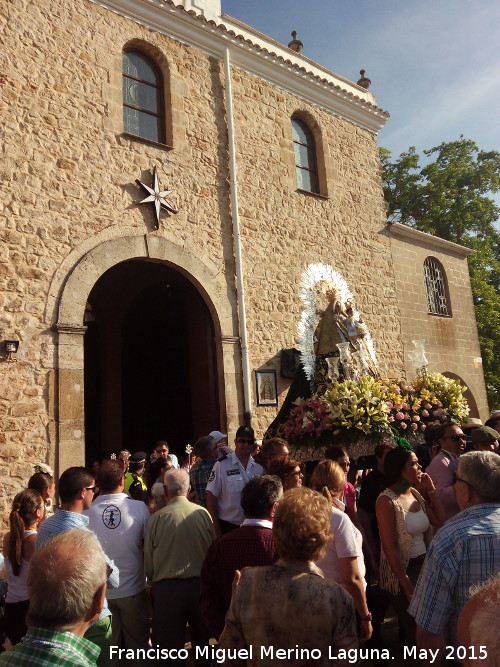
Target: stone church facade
(130,333)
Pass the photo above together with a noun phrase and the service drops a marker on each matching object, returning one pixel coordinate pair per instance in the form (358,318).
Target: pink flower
(398,406)
(428,406)
(413,427)
(390,419)
(410,389)
(425,413)
(415,418)
(389,405)
(397,390)
(439,404)
(407,416)
(438,412)
(403,425)
(400,415)
(405,406)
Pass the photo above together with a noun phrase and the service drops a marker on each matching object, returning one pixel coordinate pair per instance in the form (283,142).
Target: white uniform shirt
(119,523)
(226,481)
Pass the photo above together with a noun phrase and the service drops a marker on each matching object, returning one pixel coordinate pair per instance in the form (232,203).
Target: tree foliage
(448,197)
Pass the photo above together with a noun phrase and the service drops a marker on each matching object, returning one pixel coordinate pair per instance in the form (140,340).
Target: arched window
(142,97)
(306,168)
(436,288)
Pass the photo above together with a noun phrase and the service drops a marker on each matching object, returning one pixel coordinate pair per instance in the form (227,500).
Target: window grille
(436,288)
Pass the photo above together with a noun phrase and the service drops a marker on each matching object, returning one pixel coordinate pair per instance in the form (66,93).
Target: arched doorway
(149,359)
(69,302)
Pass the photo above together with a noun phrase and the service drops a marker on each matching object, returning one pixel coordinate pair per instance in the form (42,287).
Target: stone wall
(451,343)
(68,186)
(285,230)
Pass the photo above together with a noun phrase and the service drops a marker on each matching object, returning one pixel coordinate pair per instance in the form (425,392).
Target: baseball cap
(217,436)
(245,432)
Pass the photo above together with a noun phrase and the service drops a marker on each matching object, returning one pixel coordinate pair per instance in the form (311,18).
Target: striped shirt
(465,552)
(64,520)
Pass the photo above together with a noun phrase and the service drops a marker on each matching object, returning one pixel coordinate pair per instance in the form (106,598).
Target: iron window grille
(436,288)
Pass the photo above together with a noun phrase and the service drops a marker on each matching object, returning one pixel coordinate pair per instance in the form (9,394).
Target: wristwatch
(368,617)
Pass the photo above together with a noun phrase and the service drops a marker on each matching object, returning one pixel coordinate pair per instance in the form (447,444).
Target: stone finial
(295,44)
(364,82)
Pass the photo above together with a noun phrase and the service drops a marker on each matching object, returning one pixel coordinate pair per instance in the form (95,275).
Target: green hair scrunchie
(402,442)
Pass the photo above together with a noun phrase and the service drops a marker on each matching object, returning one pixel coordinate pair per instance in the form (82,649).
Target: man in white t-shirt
(119,523)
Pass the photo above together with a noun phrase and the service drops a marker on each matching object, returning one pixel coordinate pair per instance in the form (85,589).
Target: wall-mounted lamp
(10,347)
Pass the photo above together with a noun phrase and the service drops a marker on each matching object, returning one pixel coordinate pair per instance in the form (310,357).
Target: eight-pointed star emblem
(156,197)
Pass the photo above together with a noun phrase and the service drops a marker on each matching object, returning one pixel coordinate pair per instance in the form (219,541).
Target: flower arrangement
(358,407)
(449,392)
(373,407)
(309,417)
(431,399)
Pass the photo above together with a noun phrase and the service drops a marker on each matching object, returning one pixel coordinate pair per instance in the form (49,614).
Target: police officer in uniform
(134,484)
(227,479)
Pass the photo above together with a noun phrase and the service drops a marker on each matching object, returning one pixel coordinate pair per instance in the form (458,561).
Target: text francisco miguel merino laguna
(266,653)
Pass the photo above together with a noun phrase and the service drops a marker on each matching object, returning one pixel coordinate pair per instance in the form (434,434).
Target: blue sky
(434,64)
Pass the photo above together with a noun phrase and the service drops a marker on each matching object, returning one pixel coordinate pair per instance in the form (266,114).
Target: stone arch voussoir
(207,279)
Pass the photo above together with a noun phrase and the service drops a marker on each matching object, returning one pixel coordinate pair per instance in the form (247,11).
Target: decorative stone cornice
(75,329)
(259,55)
(229,340)
(423,238)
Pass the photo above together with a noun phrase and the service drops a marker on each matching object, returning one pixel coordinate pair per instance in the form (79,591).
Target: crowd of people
(254,557)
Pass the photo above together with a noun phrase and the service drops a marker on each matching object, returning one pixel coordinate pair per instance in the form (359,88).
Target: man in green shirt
(176,541)
(66,586)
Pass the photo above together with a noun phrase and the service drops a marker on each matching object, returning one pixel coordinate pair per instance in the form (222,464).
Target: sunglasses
(457,437)
(90,488)
(248,441)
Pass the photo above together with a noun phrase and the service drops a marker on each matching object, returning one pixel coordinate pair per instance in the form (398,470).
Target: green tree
(448,197)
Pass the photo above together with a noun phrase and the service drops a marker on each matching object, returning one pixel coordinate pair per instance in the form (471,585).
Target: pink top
(349,499)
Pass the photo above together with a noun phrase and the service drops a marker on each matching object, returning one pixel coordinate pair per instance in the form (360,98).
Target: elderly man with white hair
(176,541)
(477,626)
(464,553)
(66,586)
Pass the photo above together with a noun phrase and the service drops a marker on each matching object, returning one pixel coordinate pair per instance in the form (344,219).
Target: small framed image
(267,388)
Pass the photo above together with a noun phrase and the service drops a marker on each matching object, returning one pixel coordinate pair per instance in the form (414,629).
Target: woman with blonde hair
(18,547)
(290,605)
(343,561)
